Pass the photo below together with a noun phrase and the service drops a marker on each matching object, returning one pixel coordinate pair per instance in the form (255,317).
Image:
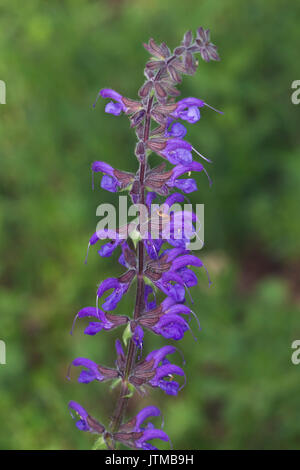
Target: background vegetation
(242,390)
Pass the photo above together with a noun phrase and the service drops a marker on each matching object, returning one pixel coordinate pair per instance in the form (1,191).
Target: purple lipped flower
(146,432)
(177,151)
(176,290)
(104,321)
(109,181)
(175,129)
(169,386)
(92,372)
(119,289)
(171,326)
(86,422)
(148,435)
(113,107)
(149,432)
(82,413)
(144,414)
(186,185)
(188,110)
(108,249)
(166,370)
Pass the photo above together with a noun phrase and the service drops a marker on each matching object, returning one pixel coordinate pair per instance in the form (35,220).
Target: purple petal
(109,93)
(186,260)
(144,414)
(150,434)
(109,183)
(103,167)
(114,108)
(186,185)
(159,354)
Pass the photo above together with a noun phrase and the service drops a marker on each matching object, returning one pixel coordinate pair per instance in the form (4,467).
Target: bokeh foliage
(242,390)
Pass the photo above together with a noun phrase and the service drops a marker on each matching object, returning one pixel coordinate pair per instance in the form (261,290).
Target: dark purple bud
(179,50)
(140,149)
(137,118)
(159,90)
(187,38)
(154,49)
(145,89)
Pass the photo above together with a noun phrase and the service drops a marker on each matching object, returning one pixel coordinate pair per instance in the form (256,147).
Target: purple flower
(188,110)
(149,431)
(92,372)
(113,107)
(176,290)
(177,151)
(119,289)
(166,370)
(82,413)
(109,181)
(146,432)
(104,321)
(177,130)
(179,170)
(107,249)
(85,422)
(187,186)
(148,435)
(171,326)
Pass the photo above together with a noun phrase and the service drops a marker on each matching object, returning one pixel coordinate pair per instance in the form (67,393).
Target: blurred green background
(242,390)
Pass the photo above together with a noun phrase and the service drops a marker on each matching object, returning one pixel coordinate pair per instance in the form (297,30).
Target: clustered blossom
(162,262)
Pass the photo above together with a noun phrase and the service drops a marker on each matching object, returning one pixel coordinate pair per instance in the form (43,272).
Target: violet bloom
(109,181)
(178,151)
(186,185)
(165,370)
(119,289)
(94,371)
(175,290)
(175,129)
(149,431)
(104,321)
(188,110)
(171,326)
(86,422)
(113,107)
